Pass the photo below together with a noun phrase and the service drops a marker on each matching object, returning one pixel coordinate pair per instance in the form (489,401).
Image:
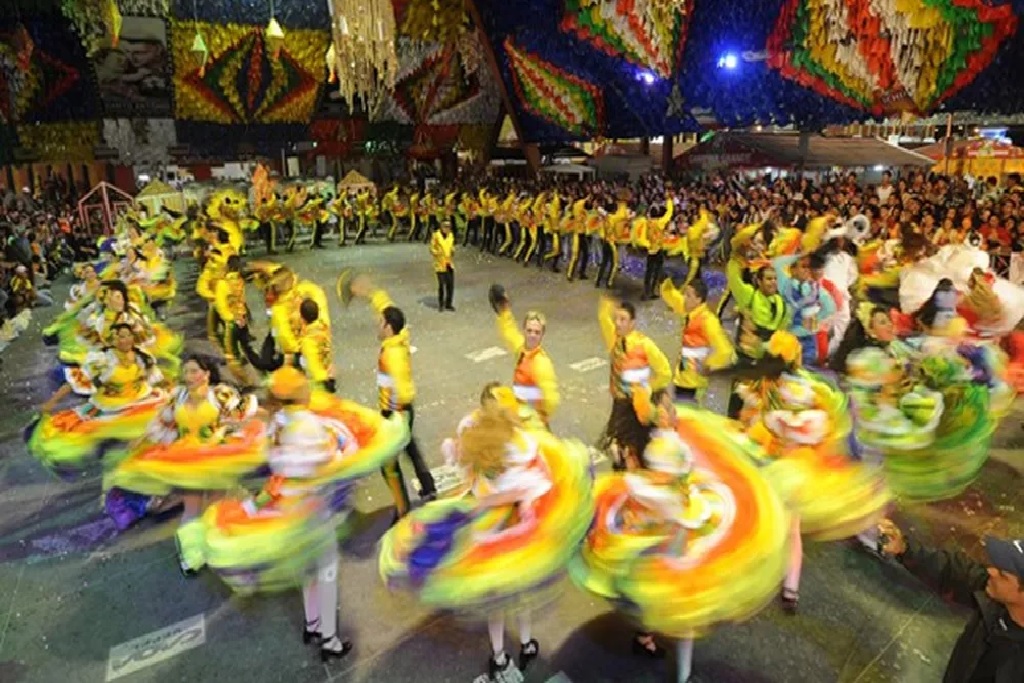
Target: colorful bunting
(648,33)
(888,56)
(555,95)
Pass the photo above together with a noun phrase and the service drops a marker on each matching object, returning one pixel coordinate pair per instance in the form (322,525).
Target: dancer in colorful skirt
(695,540)
(927,411)
(288,534)
(206,440)
(123,386)
(496,548)
(803,422)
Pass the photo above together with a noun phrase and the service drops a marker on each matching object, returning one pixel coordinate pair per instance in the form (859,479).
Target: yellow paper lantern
(274,35)
(200,52)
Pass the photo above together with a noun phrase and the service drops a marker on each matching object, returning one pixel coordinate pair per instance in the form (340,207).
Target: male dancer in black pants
(395,390)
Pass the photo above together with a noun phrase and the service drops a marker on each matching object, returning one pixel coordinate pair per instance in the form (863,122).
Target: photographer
(991,647)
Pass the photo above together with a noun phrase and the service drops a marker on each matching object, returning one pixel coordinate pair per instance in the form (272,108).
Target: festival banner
(135,76)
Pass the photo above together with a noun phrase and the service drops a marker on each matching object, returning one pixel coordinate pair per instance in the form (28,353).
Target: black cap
(1007,556)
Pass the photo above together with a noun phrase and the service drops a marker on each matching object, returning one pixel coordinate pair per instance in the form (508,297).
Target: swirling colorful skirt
(456,554)
(69,441)
(683,583)
(275,547)
(369,440)
(269,549)
(835,496)
(191,464)
(953,460)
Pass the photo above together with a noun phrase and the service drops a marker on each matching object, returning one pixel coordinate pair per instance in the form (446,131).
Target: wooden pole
(666,154)
(532,154)
(949,141)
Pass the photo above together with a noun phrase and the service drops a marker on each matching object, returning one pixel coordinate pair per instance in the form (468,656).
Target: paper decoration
(648,33)
(558,96)
(888,56)
(242,83)
(142,142)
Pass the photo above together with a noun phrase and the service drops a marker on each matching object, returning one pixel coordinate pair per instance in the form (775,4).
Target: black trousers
(472,231)
(266,232)
(582,258)
(445,288)
(541,246)
(653,272)
(604,270)
(392,472)
(318,231)
(487,243)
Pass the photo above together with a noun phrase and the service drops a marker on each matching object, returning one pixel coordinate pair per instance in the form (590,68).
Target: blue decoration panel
(290,13)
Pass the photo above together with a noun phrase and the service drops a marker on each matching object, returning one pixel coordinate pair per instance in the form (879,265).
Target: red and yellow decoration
(648,33)
(888,56)
(98,22)
(242,82)
(555,95)
(71,141)
(437,21)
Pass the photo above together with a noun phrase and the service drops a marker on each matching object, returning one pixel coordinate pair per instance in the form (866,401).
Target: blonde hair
(982,299)
(483,444)
(536,316)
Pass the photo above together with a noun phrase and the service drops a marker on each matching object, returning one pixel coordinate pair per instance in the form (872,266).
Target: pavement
(81,603)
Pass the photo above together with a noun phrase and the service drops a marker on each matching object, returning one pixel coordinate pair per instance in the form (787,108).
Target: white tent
(158,194)
(578,170)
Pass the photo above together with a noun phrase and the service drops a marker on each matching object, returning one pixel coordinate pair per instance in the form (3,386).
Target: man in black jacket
(991,647)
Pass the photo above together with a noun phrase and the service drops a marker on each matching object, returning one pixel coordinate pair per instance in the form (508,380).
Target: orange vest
(524,382)
(629,366)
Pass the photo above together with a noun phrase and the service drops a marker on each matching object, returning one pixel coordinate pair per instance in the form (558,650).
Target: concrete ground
(79,602)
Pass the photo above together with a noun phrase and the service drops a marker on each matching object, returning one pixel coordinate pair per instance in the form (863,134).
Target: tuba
(858,228)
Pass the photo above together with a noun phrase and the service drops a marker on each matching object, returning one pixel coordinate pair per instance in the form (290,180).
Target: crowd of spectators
(40,239)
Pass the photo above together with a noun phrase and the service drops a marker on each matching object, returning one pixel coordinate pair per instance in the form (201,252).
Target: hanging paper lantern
(332,64)
(200,52)
(274,35)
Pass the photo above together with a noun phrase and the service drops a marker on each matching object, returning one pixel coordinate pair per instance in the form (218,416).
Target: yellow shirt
(635,359)
(285,321)
(395,388)
(317,351)
(229,297)
(442,248)
(704,343)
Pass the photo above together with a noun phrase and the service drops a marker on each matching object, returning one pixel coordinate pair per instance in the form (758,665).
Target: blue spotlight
(728,61)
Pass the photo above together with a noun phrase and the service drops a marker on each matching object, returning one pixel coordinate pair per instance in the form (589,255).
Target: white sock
(310,605)
(496,630)
(685,657)
(327,593)
(525,626)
